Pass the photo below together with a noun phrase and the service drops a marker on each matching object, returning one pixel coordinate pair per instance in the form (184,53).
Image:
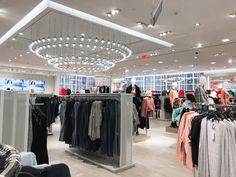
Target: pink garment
(173,94)
(148,107)
(183,147)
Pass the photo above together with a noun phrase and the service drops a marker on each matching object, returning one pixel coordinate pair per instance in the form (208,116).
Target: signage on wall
(144,57)
(34,86)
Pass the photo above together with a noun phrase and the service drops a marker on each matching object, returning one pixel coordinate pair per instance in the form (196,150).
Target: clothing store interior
(112,88)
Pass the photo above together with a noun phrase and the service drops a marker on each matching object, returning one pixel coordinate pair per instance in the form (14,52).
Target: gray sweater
(95,120)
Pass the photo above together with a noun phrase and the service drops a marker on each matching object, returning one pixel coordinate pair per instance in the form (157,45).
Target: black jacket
(137,90)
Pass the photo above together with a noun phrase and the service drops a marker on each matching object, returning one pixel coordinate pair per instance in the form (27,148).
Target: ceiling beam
(44,4)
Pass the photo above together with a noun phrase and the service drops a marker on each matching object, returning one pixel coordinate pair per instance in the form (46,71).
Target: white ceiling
(211,14)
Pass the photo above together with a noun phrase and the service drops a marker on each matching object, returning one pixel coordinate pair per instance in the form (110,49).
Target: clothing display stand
(124,161)
(14,119)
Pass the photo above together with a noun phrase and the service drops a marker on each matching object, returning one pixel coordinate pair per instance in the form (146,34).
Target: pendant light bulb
(75,38)
(54,38)
(68,38)
(61,38)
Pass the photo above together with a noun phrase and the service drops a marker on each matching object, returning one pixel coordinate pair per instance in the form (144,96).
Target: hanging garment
(95,120)
(68,122)
(200,95)
(194,137)
(167,105)
(136,121)
(110,129)
(148,107)
(39,143)
(75,126)
(183,147)
(62,120)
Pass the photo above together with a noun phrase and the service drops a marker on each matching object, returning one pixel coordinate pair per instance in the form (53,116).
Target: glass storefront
(76,83)
(186,81)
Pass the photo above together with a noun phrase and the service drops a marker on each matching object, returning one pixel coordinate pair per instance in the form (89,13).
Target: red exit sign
(144,57)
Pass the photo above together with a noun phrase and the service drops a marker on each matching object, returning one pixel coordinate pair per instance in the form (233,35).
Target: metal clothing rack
(125,116)
(216,106)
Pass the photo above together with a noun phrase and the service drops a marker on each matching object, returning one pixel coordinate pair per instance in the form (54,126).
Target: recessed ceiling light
(160,62)
(164,33)
(21,34)
(27,52)
(13,39)
(197,24)
(218,54)
(15,58)
(21,55)
(173,50)
(199,45)
(10,60)
(195,57)
(230,61)
(113,12)
(225,40)
(141,24)
(154,69)
(213,63)
(126,70)
(232,15)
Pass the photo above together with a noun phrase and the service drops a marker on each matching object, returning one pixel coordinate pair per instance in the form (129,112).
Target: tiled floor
(154,156)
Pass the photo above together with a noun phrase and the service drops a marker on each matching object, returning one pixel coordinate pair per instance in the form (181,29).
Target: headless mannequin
(173,93)
(224,94)
(200,93)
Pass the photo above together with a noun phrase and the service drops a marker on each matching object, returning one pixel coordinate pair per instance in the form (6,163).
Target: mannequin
(224,94)
(173,93)
(135,90)
(200,93)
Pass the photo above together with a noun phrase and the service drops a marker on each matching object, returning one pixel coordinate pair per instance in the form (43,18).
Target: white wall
(49,80)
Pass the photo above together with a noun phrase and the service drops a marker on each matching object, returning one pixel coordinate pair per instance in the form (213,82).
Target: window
(188,81)
(76,83)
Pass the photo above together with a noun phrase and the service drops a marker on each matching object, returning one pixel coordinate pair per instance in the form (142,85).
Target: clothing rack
(125,116)
(206,106)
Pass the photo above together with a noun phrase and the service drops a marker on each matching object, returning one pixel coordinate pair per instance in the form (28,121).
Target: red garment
(181,93)
(148,107)
(63,91)
(183,147)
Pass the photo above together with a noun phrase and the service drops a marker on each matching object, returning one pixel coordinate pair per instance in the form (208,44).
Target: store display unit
(14,119)
(126,122)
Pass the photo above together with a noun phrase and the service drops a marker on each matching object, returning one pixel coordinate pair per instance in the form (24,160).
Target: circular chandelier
(174,79)
(83,54)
